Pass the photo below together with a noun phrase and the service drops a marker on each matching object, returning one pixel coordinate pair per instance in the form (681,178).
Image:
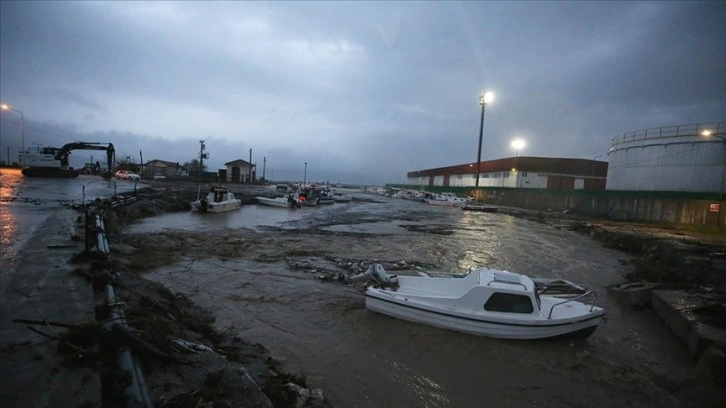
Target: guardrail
(670,131)
(136,393)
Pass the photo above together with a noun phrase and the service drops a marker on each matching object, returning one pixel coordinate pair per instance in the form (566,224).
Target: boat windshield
(509,302)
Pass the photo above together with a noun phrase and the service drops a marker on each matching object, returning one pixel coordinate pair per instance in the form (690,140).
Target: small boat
(486,302)
(218,199)
(480,207)
(281,202)
(446,199)
(342,197)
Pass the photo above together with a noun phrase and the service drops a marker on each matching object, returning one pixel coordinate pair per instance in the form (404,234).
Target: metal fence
(696,129)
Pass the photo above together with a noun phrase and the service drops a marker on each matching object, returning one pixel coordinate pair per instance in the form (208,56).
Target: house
(240,171)
(167,168)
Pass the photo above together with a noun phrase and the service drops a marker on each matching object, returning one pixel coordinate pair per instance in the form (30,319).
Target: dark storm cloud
(344,85)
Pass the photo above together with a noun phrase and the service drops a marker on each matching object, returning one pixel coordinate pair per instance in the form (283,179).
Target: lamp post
(305,175)
(518,144)
(22,130)
(708,133)
(484,99)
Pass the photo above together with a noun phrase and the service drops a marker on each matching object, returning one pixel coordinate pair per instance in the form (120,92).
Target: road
(37,283)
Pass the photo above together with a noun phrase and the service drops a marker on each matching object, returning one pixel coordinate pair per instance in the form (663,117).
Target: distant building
(240,171)
(167,168)
(518,172)
(674,158)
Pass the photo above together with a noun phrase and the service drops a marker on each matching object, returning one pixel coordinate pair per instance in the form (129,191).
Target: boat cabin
(218,194)
(504,292)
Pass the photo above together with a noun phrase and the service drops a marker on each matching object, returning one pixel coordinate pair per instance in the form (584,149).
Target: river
(267,289)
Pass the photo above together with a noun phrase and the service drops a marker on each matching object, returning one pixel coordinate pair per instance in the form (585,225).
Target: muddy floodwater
(259,270)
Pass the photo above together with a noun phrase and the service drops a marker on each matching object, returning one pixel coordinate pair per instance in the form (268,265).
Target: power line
(38,129)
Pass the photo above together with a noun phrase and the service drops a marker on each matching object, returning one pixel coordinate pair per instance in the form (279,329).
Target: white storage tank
(674,158)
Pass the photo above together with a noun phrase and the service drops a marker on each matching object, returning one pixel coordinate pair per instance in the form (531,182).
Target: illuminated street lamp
(484,99)
(709,133)
(22,128)
(518,144)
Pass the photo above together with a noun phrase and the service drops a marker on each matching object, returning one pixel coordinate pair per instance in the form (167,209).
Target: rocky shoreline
(186,361)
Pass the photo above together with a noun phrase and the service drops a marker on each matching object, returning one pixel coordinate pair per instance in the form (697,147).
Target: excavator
(53,161)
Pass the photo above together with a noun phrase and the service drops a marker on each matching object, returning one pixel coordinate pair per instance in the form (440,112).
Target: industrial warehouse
(668,174)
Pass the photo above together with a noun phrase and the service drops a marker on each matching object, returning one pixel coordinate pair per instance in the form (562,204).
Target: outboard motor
(378,275)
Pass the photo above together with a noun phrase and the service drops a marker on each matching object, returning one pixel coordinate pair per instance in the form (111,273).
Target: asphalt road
(37,283)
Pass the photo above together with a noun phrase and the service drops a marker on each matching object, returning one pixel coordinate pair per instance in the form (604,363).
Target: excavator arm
(65,151)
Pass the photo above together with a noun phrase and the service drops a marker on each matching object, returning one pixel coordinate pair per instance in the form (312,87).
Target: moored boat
(218,199)
(486,302)
(446,199)
(280,202)
(342,197)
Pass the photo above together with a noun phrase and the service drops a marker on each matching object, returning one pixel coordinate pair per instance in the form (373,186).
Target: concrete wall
(668,207)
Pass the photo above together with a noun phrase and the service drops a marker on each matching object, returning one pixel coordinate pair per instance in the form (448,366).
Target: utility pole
(252,180)
(141,157)
(202,156)
(264,164)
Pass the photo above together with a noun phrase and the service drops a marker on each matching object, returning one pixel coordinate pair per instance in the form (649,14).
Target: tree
(193,166)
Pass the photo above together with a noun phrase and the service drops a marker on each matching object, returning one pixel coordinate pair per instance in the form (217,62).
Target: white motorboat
(486,302)
(446,199)
(218,199)
(342,197)
(281,202)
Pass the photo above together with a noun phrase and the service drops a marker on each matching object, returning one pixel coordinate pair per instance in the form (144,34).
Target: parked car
(127,175)
(159,177)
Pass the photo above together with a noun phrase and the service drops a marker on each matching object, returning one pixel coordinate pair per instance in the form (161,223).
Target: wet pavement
(26,203)
(37,283)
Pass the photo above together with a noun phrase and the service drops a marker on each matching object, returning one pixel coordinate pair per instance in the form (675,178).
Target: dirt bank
(678,258)
(187,362)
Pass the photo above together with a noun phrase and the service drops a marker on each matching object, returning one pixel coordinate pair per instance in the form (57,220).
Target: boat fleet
(444,199)
(220,199)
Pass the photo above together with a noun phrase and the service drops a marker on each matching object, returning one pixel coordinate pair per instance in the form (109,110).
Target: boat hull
(481,325)
(445,203)
(216,207)
(274,203)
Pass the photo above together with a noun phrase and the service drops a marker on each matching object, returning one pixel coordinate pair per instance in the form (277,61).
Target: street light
(518,144)
(305,175)
(484,99)
(22,129)
(709,133)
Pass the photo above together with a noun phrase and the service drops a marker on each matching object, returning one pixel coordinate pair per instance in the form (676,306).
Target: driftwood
(116,336)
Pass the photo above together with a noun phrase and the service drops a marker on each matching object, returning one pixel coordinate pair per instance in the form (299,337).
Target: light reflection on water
(25,203)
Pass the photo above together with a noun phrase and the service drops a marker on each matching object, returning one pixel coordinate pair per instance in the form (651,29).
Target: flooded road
(258,270)
(26,203)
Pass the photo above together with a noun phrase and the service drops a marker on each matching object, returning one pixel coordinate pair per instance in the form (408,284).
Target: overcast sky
(362,92)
